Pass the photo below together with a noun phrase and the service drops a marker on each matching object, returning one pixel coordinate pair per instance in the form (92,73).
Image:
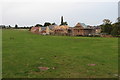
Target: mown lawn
(67,57)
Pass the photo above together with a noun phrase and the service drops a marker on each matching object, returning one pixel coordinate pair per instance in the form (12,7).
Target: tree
(106,26)
(118,19)
(38,25)
(16,26)
(53,24)
(62,21)
(116,29)
(65,23)
(114,32)
(106,21)
(30,28)
(9,26)
(47,24)
(2,26)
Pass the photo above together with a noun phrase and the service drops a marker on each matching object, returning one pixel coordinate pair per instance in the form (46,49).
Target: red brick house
(35,30)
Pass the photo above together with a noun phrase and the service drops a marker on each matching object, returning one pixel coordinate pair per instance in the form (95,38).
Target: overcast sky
(31,12)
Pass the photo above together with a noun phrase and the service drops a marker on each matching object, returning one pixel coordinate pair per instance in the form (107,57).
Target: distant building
(61,30)
(80,30)
(35,30)
(51,29)
(97,30)
(40,30)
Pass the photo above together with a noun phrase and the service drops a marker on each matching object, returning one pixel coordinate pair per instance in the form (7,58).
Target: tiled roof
(51,26)
(81,25)
(43,28)
(78,24)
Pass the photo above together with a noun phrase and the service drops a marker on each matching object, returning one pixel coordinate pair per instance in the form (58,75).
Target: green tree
(38,25)
(106,26)
(65,23)
(114,32)
(16,26)
(53,24)
(116,29)
(47,24)
(9,26)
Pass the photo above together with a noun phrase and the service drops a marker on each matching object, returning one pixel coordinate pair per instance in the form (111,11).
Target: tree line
(37,25)
(111,29)
(107,28)
(48,24)
(13,27)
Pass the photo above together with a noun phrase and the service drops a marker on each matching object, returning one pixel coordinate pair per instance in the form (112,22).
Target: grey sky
(27,13)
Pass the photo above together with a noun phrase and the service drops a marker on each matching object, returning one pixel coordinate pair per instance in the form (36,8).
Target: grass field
(66,57)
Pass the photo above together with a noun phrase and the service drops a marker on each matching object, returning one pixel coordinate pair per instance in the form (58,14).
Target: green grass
(70,56)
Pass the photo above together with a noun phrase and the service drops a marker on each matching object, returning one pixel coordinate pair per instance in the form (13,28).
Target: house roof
(51,26)
(61,27)
(78,24)
(34,28)
(84,25)
(43,28)
(64,27)
(81,25)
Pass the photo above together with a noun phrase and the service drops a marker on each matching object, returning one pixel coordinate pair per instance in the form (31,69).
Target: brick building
(81,30)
